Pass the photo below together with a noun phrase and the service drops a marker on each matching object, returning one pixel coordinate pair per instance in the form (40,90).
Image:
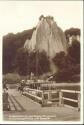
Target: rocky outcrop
(47,37)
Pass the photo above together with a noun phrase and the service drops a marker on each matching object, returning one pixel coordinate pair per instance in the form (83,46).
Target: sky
(16,16)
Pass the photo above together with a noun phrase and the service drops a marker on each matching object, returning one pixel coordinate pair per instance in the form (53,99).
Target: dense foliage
(72,31)
(35,62)
(11,44)
(69,64)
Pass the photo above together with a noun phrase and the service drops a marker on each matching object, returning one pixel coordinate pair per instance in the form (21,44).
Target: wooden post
(78,101)
(43,98)
(60,98)
(49,95)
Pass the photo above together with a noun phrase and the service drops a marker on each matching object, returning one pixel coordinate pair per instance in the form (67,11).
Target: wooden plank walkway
(36,111)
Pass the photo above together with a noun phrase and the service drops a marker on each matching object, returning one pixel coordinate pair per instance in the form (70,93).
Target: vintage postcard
(42,62)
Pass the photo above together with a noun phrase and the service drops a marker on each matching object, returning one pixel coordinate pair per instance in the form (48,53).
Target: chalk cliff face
(47,37)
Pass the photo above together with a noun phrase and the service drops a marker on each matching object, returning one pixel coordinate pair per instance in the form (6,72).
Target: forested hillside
(11,43)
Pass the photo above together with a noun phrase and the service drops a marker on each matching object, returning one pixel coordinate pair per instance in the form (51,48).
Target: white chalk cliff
(47,37)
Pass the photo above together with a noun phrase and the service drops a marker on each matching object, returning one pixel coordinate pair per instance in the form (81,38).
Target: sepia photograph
(41,61)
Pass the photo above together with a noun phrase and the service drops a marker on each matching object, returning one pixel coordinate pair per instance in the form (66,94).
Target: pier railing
(62,97)
(57,96)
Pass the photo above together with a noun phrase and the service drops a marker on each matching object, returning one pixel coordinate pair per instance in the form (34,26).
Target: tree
(74,51)
(35,62)
(72,31)
(21,62)
(11,44)
(59,59)
(43,63)
(69,64)
(39,62)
